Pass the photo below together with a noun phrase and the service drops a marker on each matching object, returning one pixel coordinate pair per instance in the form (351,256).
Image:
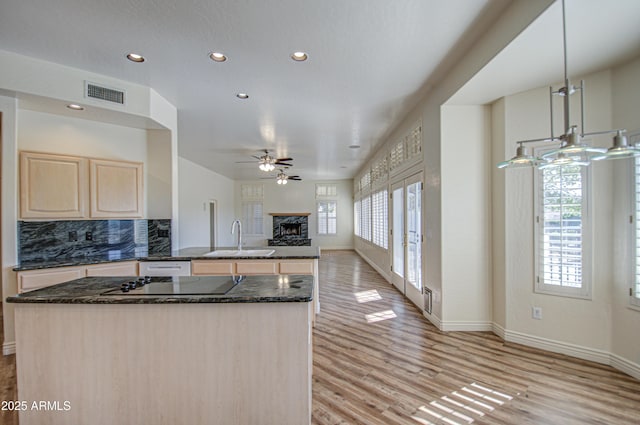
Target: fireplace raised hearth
(290,229)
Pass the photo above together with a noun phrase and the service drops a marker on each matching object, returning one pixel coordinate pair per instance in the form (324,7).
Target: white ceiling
(369,62)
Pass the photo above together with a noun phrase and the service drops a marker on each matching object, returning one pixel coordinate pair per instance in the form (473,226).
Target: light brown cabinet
(35,279)
(52,186)
(251,267)
(69,187)
(116,189)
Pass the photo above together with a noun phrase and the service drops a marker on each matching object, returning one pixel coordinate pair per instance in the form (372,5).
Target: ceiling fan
(283,178)
(267,162)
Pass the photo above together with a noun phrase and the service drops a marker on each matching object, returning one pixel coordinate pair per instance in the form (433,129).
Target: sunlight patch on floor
(379,316)
(463,406)
(366,296)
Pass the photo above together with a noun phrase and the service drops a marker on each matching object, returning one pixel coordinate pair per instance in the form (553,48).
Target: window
(252,220)
(379,218)
(635,292)
(252,217)
(324,190)
(327,217)
(562,231)
(365,222)
(357,217)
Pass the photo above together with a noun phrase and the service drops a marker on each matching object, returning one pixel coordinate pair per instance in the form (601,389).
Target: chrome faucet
(233,227)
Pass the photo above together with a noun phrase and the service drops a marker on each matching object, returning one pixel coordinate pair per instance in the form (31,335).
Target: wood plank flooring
(378,361)
(399,369)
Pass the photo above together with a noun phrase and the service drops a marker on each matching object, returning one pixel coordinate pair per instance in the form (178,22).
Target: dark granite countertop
(185,254)
(252,289)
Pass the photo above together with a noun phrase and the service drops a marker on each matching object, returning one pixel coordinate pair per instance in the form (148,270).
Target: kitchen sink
(240,253)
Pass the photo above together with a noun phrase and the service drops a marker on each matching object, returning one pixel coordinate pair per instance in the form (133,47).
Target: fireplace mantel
(290,214)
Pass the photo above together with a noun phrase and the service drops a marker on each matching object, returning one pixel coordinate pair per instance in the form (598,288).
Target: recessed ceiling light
(217,56)
(299,56)
(75,107)
(354,146)
(134,57)
(242,96)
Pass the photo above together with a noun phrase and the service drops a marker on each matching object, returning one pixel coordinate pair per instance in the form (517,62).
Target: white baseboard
(461,326)
(8,348)
(625,366)
(381,272)
(498,330)
(435,320)
(574,350)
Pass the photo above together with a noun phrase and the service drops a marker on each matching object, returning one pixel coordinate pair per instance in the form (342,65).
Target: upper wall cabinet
(68,187)
(52,186)
(116,189)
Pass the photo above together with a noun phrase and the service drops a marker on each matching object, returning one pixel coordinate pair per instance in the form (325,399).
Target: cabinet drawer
(129,268)
(28,281)
(211,267)
(256,267)
(296,267)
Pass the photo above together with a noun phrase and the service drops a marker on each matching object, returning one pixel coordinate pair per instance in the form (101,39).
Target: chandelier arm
(596,133)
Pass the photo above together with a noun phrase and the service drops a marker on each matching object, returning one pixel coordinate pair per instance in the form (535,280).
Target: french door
(406,238)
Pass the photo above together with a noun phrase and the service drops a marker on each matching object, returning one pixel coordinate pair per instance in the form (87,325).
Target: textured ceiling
(370,61)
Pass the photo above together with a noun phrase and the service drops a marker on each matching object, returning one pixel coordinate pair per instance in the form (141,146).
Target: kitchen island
(238,354)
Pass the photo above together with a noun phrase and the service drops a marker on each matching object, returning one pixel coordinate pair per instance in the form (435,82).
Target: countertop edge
(92,261)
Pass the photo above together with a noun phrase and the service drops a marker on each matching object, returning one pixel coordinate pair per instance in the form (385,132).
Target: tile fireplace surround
(290,229)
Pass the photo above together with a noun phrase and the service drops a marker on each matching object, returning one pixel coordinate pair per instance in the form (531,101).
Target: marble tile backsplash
(72,239)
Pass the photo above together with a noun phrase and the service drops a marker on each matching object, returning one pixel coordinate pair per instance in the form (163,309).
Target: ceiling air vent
(95,91)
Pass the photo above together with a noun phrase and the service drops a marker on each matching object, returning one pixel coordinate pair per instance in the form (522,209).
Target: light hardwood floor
(402,370)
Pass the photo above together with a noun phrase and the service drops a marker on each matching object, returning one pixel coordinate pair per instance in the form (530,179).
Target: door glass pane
(398,232)
(414,256)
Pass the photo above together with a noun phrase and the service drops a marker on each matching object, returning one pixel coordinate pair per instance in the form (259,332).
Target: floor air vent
(95,91)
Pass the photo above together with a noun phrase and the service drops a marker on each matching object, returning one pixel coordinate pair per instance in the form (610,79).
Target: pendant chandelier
(571,149)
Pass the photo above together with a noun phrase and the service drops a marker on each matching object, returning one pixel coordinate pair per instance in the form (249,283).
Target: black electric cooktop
(176,285)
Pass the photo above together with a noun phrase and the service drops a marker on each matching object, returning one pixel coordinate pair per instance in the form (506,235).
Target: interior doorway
(213,220)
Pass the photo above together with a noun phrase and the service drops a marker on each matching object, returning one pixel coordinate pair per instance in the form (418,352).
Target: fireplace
(290,229)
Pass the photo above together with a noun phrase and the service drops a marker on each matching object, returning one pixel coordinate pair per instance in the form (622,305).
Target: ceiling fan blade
(298,178)
(256,157)
(283,164)
(283,159)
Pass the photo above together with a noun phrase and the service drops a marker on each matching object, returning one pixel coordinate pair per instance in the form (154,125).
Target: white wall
(197,187)
(9,214)
(466,225)
(626,321)
(578,324)
(300,197)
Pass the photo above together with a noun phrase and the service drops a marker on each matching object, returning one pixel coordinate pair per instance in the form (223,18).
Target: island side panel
(240,363)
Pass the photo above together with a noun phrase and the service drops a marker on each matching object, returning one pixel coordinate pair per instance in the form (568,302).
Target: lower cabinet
(251,267)
(36,279)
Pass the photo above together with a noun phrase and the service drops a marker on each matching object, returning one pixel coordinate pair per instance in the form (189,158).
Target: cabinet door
(35,279)
(116,189)
(52,186)
(250,267)
(296,267)
(212,268)
(127,268)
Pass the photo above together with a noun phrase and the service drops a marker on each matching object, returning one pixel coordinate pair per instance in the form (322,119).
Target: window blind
(561,230)
(366,218)
(252,217)
(380,223)
(357,217)
(327,217)
(635,299)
